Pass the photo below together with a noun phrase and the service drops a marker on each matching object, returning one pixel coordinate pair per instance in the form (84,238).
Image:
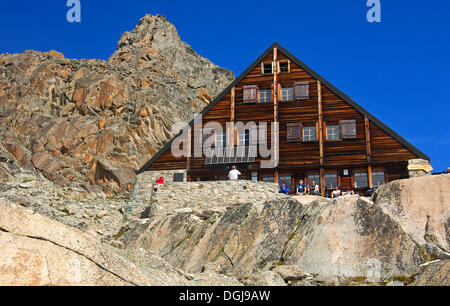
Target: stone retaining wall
(200,195)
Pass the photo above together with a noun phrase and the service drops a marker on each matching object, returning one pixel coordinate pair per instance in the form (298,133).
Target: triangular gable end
(313,74)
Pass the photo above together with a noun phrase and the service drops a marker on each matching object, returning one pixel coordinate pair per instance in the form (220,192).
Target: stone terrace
(199,195)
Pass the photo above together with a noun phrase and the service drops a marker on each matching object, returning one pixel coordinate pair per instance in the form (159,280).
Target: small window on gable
(265,95)
(244,138)
(287,94)
(348,129)
(309,133)
(284,66)
(294,132)
(267,68)
(250,93)
(333,132)
(301,91)
(221,139)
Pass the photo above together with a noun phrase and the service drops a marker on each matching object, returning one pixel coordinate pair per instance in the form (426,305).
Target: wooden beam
(322,181)
(189,157)
(368,151)
(320,114)
(233,105)
(275,86)
(276,177)
(368,142)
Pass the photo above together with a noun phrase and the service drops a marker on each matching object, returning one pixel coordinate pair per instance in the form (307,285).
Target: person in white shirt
(234,174)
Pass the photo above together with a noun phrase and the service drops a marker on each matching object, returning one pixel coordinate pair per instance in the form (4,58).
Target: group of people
(301,189)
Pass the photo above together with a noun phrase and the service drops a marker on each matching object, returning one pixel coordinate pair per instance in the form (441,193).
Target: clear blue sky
(397,69)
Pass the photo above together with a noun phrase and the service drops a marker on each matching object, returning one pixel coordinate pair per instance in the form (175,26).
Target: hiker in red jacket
(160,181)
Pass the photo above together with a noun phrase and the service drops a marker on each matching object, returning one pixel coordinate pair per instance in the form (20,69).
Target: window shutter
(236,137)
(301,90)
(294,132)
(250,93)
(348,129)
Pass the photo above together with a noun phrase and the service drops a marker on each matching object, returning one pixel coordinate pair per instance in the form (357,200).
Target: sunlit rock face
(66,118)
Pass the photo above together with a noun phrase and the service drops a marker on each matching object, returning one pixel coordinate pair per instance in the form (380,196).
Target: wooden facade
(369,147)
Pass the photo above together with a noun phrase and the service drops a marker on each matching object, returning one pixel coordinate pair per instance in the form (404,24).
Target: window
(250,93)
(287,94)
(333,132)
(254,176)
(294,132)
(378,178)
(331,180)
(244,138)
(361,180)
(286,179)
(269,179)
(309,133)
(313,178)
(265,95)
(284,67)
(348,129)
(221,139)
(267,68)
(301,91)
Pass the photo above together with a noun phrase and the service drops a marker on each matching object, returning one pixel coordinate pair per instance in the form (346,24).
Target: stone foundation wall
(153,197)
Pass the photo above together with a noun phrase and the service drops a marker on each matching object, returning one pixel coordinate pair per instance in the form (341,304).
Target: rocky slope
(37,251)
(95,121)
(349,240)
(288,241)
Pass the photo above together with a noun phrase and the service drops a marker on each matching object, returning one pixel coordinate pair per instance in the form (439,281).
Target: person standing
(234,174)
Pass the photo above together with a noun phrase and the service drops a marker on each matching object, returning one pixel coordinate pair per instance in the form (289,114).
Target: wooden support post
(233,105)
(275,85)
(368,143)
(276,177)
(189,157)
(320,114)
(368,151)
(294,190)
(322,181)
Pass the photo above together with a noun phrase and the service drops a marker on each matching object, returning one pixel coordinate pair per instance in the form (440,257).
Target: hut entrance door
(346,180)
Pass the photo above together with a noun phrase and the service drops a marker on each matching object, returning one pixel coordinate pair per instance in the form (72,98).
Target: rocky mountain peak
(81,120)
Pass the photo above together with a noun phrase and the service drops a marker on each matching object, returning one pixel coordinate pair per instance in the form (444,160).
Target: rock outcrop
(346,238)
(40,252)
(421,206)
(79,121)
(434,274)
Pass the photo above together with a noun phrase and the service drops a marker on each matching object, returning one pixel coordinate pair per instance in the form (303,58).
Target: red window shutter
(294,132)
(301,90)
(250,94)
(348,129)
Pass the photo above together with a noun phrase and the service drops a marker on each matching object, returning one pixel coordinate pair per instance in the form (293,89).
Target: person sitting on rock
(307,190)
(300,188)
(349,191)
(284,189)
(336,192)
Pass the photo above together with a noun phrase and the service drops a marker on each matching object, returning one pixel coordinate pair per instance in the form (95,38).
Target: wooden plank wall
(343,153)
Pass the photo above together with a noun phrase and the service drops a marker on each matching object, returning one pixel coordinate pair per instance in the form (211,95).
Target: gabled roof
(315,75)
